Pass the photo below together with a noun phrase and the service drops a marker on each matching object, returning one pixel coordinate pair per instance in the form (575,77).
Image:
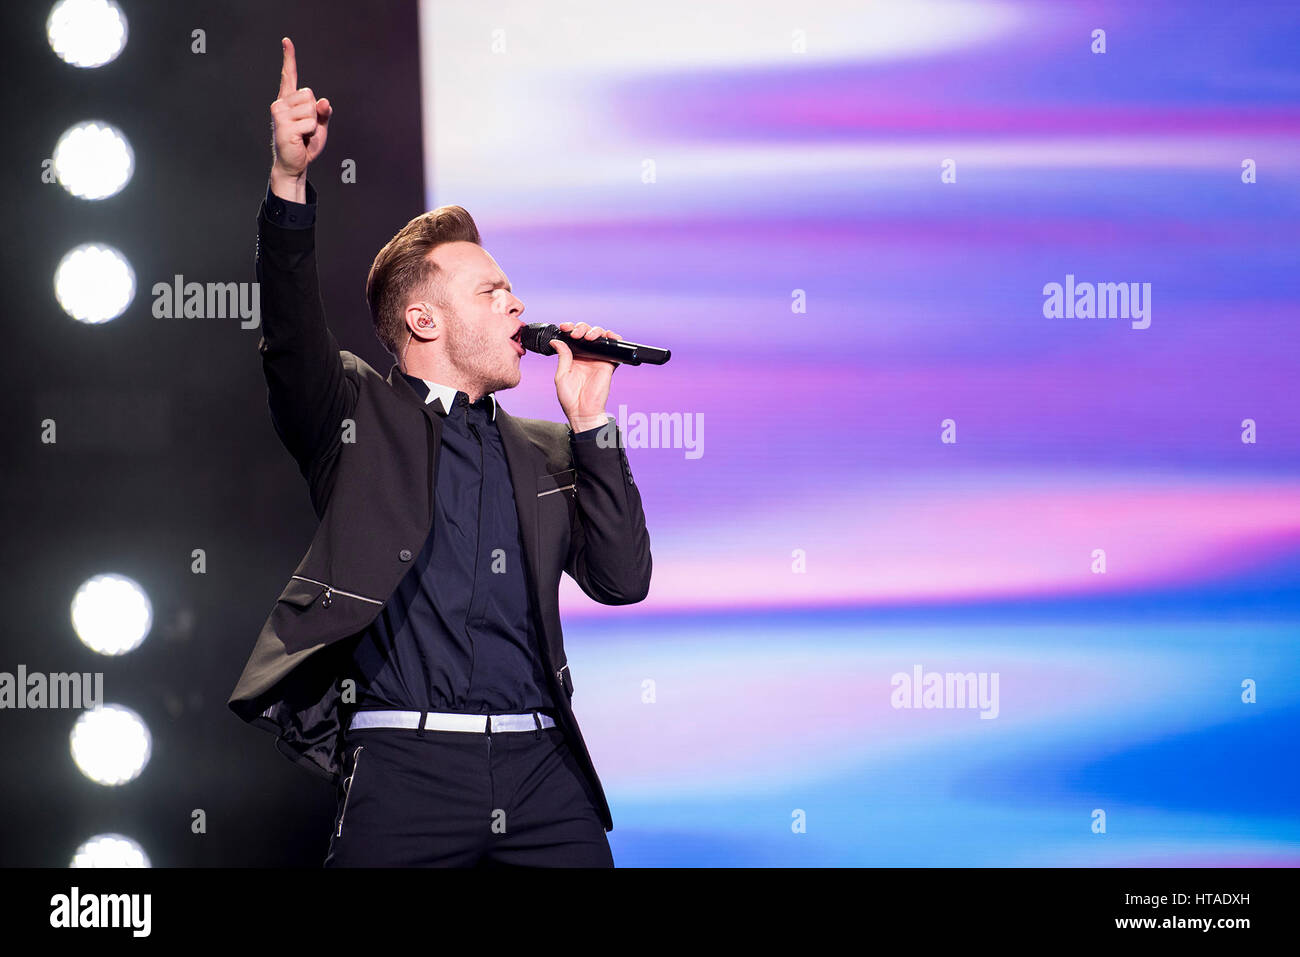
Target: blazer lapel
(526,463)
(405,390)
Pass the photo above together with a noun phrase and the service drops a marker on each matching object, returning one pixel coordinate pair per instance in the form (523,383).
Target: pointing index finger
(289,69)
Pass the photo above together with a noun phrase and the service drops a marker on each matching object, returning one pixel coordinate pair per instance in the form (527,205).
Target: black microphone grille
(537,337)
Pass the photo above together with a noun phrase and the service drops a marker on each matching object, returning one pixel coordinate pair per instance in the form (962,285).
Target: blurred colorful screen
(887,449)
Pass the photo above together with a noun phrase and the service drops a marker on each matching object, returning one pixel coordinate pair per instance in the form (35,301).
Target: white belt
(446,721)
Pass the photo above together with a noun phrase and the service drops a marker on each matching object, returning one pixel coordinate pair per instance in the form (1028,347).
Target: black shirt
(458,633)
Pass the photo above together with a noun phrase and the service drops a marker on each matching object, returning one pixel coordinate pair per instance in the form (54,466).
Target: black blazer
(368,447)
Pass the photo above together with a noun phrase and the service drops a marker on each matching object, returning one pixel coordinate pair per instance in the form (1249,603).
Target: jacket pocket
(554,483)
(348,783)
(302,592)
(557,507)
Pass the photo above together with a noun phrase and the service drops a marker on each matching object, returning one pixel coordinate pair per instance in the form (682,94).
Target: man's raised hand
(299,122)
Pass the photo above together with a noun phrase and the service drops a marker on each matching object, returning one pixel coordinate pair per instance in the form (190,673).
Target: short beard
(473,358)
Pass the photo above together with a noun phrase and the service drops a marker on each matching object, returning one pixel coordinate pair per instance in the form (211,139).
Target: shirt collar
(445,394)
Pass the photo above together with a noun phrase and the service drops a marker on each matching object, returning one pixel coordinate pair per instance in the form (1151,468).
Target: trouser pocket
(348,784)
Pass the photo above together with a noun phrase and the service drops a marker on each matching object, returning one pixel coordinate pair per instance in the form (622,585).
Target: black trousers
(464,799)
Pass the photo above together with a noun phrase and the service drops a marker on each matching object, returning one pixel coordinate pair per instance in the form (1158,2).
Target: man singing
(416,657)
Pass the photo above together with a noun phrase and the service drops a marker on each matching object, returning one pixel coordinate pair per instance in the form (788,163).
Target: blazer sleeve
(309,390)
(609,552)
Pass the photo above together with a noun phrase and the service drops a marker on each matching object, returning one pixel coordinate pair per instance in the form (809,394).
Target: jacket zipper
(352,778)
(331,590)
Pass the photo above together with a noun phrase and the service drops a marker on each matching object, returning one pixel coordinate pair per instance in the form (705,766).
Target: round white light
(93,160)
(111,744)
(86,33)
(94,283)
(110,850)
(111,614)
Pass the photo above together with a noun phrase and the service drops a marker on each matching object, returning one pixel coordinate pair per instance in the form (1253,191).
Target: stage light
(110,850)
(111,614)
(111,744)
(93,160)
(86,33)
(94,283)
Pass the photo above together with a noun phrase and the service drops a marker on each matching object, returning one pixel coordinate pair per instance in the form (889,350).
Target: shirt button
(404,554)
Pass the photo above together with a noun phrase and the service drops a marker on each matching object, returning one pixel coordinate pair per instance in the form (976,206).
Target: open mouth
(517,339)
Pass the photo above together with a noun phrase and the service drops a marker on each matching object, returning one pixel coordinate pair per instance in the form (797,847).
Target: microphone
(537,336)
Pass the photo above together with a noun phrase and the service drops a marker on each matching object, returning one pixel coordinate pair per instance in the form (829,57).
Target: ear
(423,321)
